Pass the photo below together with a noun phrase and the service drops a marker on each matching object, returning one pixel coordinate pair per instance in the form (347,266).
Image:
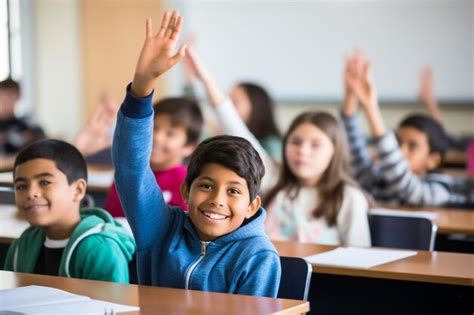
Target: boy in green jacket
(50,180)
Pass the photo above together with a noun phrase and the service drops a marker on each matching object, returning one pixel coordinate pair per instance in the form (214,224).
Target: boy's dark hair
(67,158)
(261,122)
(10,84)
(184,112)
(234,153)
(435,133)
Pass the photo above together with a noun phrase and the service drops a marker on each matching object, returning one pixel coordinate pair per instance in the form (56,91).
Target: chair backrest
(402,229)
(295,278)
(7,196)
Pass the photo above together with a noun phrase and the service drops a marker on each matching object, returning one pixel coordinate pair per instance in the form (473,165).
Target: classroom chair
(7,196)
(295,278)
(402,229)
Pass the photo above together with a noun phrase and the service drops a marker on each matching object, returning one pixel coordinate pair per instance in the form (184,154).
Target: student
(252,103)
(315,200)
(15,132)
(406,170)
(220,244)
(50,181)
(177,125)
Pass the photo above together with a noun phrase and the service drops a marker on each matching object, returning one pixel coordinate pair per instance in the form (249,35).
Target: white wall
(297,48)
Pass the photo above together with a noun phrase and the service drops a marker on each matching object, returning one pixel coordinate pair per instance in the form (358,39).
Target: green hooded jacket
(98,249)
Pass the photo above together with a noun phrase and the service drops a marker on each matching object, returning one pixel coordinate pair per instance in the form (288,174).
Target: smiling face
(218,201)
(308,152)
(169,144)
(47,200)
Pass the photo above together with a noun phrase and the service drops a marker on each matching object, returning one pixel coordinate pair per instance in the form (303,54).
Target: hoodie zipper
(193,266)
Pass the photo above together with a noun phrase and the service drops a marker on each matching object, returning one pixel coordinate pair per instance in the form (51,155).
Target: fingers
(148,28)
(172,23)
(177,28)
(164,24)
(179,55)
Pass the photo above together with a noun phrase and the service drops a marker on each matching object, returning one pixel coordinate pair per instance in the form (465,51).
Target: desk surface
(434,267)
(448,220)
(153,300)
(99,179)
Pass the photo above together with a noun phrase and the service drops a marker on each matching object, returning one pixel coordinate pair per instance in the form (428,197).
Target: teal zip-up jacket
(98,249)
(169,251)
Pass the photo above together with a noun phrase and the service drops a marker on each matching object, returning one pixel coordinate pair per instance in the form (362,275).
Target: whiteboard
(297,48)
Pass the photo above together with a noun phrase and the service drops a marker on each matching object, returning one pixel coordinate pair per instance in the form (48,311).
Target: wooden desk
(455,158)
(449,221)
(99,180)
(432,267)
(154,300)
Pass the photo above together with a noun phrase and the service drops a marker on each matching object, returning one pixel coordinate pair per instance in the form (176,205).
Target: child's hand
(426,94)
(196,65)
(156,56)
(350,99)
(362,85)
(215,95)
(360,82)
(189,70)
(94,137)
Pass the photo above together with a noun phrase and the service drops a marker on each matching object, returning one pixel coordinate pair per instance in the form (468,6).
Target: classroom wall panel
(112,34)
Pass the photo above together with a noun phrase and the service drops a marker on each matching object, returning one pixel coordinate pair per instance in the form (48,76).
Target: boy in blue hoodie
(50,180)
(220,244)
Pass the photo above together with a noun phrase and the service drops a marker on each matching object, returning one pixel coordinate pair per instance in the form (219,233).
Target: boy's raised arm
(136,185)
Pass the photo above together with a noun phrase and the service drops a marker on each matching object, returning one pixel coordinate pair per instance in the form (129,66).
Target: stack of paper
(44,300)
(354,257)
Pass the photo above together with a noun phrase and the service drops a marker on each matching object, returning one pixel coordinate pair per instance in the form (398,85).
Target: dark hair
(437,138)
(234,153)
(67,158)
(334,178)
(184,112)
(261,122)
(10,84)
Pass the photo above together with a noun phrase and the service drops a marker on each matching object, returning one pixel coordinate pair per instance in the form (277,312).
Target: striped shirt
(390,180)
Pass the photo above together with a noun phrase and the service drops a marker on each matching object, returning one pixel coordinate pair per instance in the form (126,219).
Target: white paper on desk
(355,257)
(45,300)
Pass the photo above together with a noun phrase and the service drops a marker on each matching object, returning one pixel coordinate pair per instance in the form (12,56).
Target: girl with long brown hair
(315,200)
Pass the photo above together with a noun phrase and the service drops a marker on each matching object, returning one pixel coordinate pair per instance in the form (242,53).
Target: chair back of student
(295,278)
(402,229)
(7,196)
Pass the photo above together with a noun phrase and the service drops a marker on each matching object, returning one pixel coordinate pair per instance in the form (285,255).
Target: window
(10,44)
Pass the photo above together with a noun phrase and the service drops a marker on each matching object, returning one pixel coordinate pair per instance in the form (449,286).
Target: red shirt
(169,181)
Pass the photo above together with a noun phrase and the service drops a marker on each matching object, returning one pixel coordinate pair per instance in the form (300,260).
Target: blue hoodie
(169,251)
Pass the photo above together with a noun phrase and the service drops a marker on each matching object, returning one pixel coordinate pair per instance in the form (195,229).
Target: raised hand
(94,137)
(157,55)
(215,95)
(426,93)
(360,82)
(350,99)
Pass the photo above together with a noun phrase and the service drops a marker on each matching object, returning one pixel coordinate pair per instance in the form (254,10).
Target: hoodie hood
(97,221)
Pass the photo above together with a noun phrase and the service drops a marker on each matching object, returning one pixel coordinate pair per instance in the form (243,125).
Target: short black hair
(67,158)
(184,112)
(10,84)
(234,153)
(437,138)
